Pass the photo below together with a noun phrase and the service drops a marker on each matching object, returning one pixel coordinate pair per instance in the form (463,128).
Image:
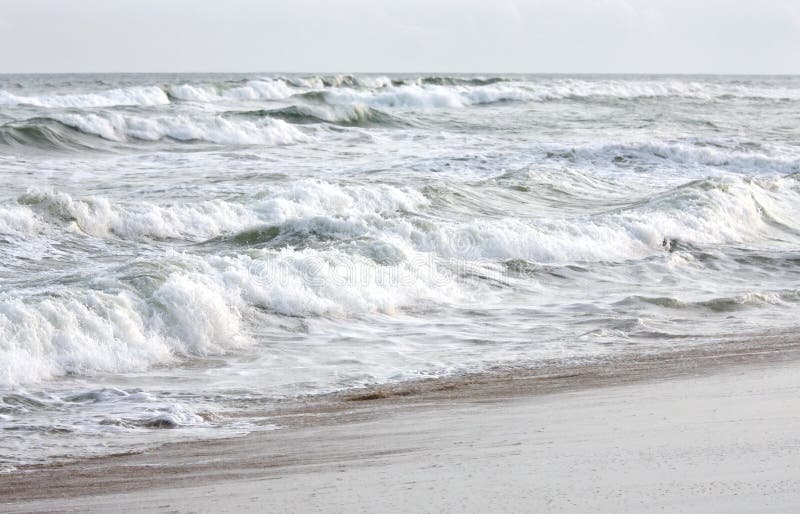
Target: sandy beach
(711,430)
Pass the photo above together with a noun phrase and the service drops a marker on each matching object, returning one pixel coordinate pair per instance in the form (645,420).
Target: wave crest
(145,96)
(346,116)
(101,217)
(116,127)
(425,97)
(252,90)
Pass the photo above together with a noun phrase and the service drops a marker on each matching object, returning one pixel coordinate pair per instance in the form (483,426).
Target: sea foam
(118,127)
(252,90)
(145,96)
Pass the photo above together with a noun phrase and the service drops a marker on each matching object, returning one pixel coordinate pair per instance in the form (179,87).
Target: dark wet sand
(702,430)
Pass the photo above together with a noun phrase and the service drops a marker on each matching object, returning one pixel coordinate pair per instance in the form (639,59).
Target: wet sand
(706,430)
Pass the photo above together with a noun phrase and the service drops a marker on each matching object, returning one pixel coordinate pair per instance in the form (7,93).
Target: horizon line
(609,73)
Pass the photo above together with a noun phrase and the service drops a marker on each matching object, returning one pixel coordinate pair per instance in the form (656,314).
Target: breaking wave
(18,220)
(716,211)
(252,90)
(198,307)
(100,217)
(145,96)
(201,305)
(346,116)
(713,211)
(67,130)
(742,158)
(168,250)
(423,97)
(45,134)
(305,199)
(91,331)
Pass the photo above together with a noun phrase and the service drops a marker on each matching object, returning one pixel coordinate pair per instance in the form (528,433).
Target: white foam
(426,96)
(338,81)
(199,316)
(309,198)
(101,217)
(305,202)
(80,333)
(691,154)
(416,95)
(305,82)
(148,95)
(632,89)
(199,309)
(260,90)
(18,220)
(252,90)
(194,93)
(216,129)
(724,210)
(334,283)
(85,332)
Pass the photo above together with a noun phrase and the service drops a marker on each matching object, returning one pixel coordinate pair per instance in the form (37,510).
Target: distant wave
(146,96)
(423,97)
(99,217)
(68,130)
(642,89)
(699,153)
(448,93)
(252,90)
(461,81)
(423,92)
(373,82)
(347,116)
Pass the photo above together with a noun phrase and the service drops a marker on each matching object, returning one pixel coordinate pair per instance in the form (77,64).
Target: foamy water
(179,252)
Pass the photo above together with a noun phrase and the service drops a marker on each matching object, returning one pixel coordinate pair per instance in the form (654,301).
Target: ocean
(178,253)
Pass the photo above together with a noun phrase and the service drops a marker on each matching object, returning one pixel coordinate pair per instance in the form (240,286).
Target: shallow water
(178,248)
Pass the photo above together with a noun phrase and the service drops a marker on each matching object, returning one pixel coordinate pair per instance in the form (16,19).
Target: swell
(250,90)
(462,81)
(722,304)
(390,224)
(409,92)
(488,220)
(92,131)
(420,96)
(85,331)
(167,310)
(319,248)
(194,222)
(135,96)
(350,116)
(747,158)
(47,134)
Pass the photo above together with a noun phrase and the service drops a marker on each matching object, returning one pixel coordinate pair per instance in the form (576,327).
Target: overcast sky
(658,36)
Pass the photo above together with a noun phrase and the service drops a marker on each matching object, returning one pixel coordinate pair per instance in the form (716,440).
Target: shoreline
(324,433)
